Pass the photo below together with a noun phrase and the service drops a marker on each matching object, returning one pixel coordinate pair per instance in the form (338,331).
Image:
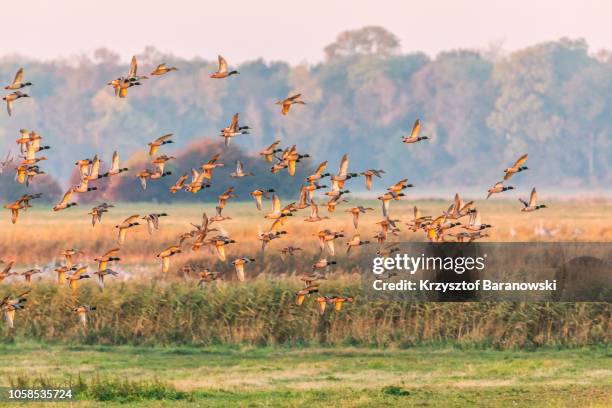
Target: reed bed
(262,312)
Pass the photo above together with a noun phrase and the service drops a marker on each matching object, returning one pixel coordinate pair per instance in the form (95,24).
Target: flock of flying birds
(450,225)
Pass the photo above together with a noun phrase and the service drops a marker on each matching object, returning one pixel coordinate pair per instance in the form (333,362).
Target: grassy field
(343,376)
(162,341)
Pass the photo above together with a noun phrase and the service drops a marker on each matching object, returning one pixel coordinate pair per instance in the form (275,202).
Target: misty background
(481,109)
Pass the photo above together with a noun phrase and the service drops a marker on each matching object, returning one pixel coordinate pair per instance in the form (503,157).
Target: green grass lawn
(344,377)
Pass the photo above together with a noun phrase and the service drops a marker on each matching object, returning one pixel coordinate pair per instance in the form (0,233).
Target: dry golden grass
(40,234)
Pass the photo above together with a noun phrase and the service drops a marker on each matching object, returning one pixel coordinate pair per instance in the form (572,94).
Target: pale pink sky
(294,31)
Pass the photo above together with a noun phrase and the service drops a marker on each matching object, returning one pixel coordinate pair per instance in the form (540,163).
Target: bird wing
(111,252)
(222,64)
(321,167)
(273,145)
(276,225)
(204,221)
(330,247)
(133,67)
(131,218)
(143,182)
(291,168)
(66,198)
(356,219)
(416,129)
(520,161)
(18,77)
(294,97)
(344,165)
(476,218)
(239,167)
(80,271)
(533,198)
(214,158)
(30,151)
(115,161)
(160,165)
(95,167)
(234,125)
(152,149)
(155,220)
(286,107)
(82,317)
(456,203)
(8,267)
(385,208)
(150,225)
(314,209)
(181,181)
(84,169)
(194,175)
(165,264)
(276,204)
(472,220)
(240,271)
(122,233)
(221,252)
(321,304)
(10,317)
(163,138)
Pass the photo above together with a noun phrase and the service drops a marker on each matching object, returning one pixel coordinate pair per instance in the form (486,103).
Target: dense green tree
(552,100)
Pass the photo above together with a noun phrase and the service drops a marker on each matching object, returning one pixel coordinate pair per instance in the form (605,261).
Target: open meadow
(222,376)
(160,340)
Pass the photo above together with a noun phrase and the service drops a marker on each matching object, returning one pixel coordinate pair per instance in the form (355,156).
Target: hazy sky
(294,31)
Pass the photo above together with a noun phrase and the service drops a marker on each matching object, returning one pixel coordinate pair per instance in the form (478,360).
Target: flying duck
(222,70)
(532,205)
(414,135)
(18,81)
(291,100)
(162,69)
(517,167)
(239,265)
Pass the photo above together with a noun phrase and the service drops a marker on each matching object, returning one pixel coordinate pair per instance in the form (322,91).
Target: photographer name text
(480,284)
